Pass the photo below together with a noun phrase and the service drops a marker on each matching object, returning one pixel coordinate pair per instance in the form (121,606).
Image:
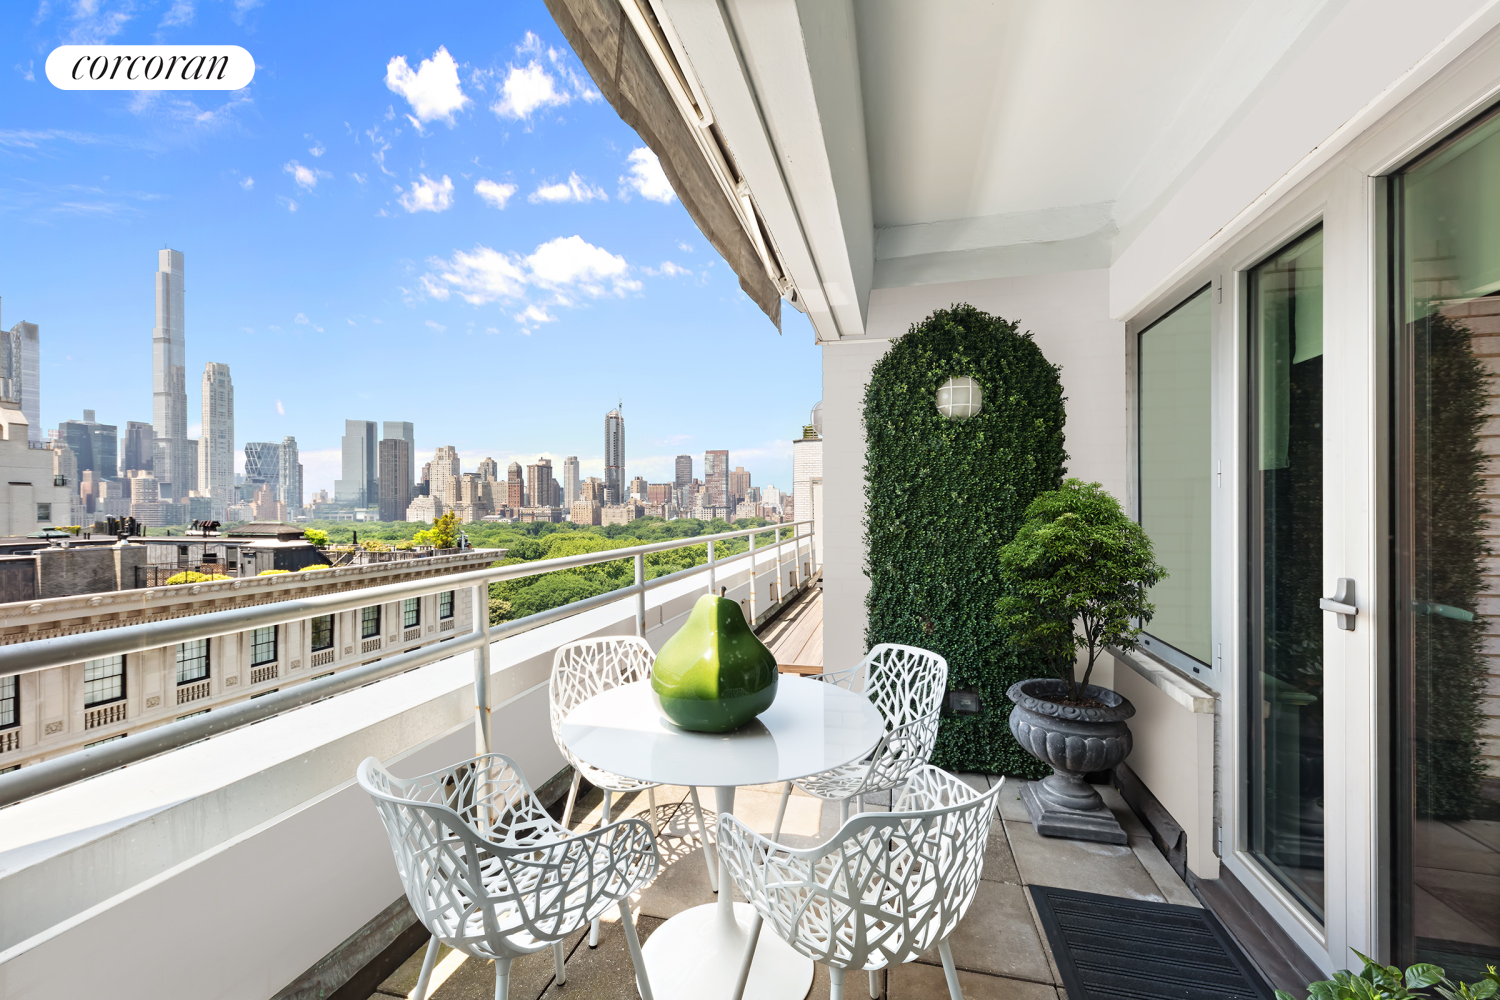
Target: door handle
(1342,603)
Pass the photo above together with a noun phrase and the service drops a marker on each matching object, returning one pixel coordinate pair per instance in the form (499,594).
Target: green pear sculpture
(714,675)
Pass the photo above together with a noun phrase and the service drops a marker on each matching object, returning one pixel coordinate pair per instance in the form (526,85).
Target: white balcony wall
(251,855)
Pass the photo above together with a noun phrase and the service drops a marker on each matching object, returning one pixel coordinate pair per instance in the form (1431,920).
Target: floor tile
(602,973)
(916,981)
(1012,809)
(1111,869)
(999,862)
(997,936)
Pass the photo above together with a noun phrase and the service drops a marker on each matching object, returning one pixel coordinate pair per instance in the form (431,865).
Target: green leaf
(1484,989)
(1423,975)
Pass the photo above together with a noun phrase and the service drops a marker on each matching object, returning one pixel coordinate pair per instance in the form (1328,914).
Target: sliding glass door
(1445,226)
(1285,700)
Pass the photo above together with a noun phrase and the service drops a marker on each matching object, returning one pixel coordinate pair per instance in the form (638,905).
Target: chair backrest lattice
(883,890)
(581,670)
(906,685)
(484,866)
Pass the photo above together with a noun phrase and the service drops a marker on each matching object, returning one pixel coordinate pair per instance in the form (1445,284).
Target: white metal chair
(907,685)
(882,891)
(581,670)
(492,875)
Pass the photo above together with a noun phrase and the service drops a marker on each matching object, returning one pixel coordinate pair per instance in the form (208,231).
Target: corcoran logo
(150,67)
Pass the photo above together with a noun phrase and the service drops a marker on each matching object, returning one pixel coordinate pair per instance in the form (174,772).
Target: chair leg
(572,796)
(594,927)
(874,986)
(633,942)
(786,794)
(559,963)
(651,799)
(710,856)
(843,811)
(951,973)
(835,983)
(502,978)
(745,962)
(428,961)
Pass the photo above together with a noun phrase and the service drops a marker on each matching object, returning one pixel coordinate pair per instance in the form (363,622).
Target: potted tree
(1076,576)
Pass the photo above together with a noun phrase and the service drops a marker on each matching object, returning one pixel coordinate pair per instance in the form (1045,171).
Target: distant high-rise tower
(28,375)
(138,446)
(446,474)
(358,485)
(395,481)
(570,480)
(402,429)
(489,470)
(614,456)
(10,370)
(539,483)
(515,486)
(171,461)
(289,489)
(216,442)
(95,445)
(684,474)
(716,477)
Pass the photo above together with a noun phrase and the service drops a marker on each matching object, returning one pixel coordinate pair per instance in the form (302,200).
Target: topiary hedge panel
(943,495)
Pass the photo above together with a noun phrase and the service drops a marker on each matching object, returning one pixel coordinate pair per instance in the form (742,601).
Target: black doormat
(1108,948)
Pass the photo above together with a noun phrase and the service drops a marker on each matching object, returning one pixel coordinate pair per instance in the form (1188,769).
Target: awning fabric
(621,68)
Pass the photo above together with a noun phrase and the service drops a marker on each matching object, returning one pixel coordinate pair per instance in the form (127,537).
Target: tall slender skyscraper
(614,455)
(169,376)
(216,443)
(28,343)
(138,441)
(570,480)
(289,491)
(402,429)
(395,481)
(684,476)
(358,485)
(716,477)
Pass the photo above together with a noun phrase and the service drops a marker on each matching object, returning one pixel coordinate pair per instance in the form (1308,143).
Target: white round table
(811,727)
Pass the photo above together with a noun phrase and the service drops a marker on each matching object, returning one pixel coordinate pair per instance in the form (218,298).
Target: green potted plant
(1076,577)
(1387,982)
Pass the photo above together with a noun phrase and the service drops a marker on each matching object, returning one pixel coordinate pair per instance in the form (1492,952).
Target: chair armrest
(930,787)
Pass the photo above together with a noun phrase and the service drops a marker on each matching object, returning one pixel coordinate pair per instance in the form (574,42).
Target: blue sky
(420,213)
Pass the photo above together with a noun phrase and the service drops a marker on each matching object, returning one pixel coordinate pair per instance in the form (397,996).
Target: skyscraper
(289,465)
(358,485)
(402,429)
(739,484)
(28,345)
(515,487)
(539,483)
(489,470)
(138,445)
(171,461)
(96,446)
(716,477)
(216,442)
(445,472)
(263,462)
(570,480)
(395,480)
(684,474)
(614,456)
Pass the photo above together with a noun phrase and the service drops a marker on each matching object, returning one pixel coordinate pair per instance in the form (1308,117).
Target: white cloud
(358,178)
(301,320)
(567,267)
(306,177)
(575,188)
(534,314)
(280,410)
(317,149)
(428,195)
(436,326)
(685,247)
(181,12)
(646,177)
(670,270)
(433,91)
(96,21)
(496,194)
(28,72)
(248,183)
(291,206)
(526,89)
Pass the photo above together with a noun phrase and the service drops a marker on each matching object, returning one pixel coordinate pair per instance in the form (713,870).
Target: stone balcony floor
(999,946)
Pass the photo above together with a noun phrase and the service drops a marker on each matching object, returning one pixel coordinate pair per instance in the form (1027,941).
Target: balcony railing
(68,650)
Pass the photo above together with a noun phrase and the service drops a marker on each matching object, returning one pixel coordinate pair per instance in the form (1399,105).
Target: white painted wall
(1069,315)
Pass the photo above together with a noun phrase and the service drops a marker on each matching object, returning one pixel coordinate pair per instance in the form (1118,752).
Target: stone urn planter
(1073,740)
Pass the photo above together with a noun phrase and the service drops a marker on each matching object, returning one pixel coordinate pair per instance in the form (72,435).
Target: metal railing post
(482,741)
(713,578)
(752,581)
(640,595)
(779,592)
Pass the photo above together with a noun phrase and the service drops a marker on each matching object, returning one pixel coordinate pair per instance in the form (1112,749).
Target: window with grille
(263,645)
(10,702)
(369,621)
(44,512)
(411,612)
(103,680)
(445,604)
(322,632)
(192,661)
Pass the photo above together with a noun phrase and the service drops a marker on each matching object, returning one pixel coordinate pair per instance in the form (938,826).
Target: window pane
(263,645)
(369,622)
(322,632)
(1175,474)
(10,701)
(192,660)
(411,612)
(1285,707)
(103,680)
(445,604)
(1448,665)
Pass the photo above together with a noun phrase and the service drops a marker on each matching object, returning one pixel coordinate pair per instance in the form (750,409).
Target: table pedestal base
(696,955)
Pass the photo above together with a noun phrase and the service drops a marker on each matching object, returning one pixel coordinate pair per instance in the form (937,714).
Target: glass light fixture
(960,398)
